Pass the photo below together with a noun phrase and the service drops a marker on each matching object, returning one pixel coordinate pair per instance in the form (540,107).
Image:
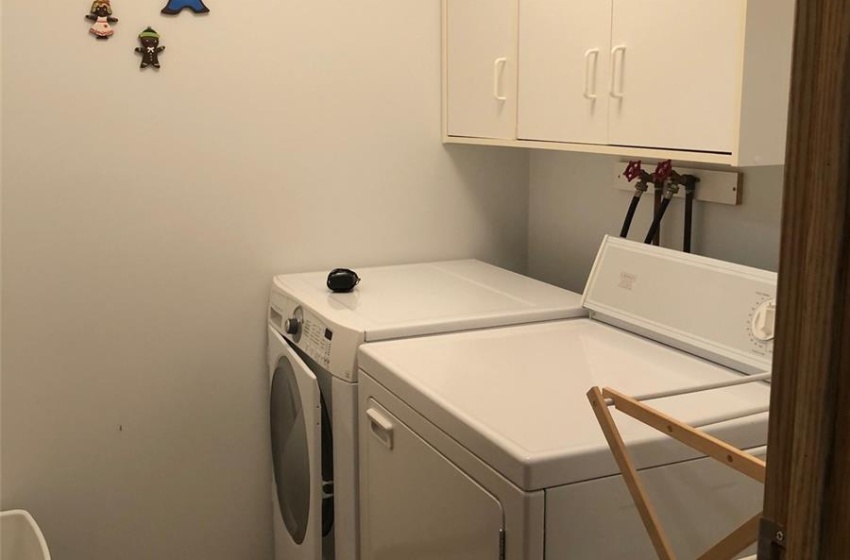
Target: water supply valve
(634,171)
(662,172)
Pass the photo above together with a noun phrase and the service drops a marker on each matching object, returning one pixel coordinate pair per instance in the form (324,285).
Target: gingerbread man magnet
(150,48)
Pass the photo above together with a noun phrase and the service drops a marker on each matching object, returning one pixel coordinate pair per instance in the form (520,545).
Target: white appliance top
(515,396)
(417,299)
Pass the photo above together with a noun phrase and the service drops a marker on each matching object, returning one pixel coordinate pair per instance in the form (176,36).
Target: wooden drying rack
(732,457)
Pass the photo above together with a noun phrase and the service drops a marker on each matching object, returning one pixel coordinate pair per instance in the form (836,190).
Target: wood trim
(836,538)
(807,488)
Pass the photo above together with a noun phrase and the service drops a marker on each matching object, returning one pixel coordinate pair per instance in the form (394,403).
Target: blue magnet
(176,6)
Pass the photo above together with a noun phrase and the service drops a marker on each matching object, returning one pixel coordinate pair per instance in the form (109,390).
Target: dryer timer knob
(292,325)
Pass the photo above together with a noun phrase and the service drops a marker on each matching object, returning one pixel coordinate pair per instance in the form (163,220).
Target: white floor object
(20,537)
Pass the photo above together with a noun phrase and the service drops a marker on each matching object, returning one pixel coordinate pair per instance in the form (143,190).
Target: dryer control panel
(716,309)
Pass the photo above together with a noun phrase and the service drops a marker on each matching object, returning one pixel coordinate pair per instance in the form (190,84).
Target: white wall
(573,205)
(144,214)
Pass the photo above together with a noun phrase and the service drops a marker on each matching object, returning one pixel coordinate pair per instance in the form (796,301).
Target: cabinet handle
(498,70)
(381,428)
(588,73)
(617,93)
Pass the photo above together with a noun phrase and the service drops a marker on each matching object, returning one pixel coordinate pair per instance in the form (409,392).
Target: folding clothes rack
(690,435)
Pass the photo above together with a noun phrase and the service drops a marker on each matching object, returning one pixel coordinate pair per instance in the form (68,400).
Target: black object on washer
(342,280)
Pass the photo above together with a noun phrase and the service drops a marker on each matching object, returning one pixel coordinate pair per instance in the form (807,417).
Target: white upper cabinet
(676,68)
(691,80)
(564,77)
(481,67)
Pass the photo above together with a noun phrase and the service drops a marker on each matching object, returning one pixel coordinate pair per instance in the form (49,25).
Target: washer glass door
(296,424)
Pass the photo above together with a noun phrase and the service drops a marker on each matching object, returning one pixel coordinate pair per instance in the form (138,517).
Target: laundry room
(162,161)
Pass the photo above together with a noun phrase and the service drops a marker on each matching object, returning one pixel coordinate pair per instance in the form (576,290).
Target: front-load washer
(482,445)
(314,336)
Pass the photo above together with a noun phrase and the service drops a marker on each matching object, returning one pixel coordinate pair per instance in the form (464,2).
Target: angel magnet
(150,48)
(101,15)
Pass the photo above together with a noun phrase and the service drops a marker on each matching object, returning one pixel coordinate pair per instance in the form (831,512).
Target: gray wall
(144,214)
(573,205)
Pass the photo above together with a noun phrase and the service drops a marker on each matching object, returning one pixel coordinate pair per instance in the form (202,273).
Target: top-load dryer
(314,335)
(483,446)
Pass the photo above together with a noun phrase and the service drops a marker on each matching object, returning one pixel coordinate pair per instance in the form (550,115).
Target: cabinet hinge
(772,539)
(501,544)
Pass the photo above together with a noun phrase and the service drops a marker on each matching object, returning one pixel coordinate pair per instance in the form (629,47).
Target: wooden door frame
(807,492)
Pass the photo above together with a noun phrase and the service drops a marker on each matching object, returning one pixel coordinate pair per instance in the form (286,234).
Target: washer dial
(292,325)
(763,324)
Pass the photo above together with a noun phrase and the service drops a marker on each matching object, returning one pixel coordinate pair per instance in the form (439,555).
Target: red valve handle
(632,171)
(662,171)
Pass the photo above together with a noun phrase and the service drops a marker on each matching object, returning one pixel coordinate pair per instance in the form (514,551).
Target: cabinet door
(481,68)
(564,70)
(414,503)
(676,73)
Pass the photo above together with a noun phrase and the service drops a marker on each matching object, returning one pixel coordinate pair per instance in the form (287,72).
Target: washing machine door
(296,428)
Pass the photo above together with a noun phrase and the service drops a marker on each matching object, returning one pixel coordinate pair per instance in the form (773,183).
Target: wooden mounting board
(722,187)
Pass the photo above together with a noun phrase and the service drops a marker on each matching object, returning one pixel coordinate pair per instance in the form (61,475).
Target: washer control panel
(304,328)
(722,311)
(333,347)
(316,340)
(761,324)
(292,325)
